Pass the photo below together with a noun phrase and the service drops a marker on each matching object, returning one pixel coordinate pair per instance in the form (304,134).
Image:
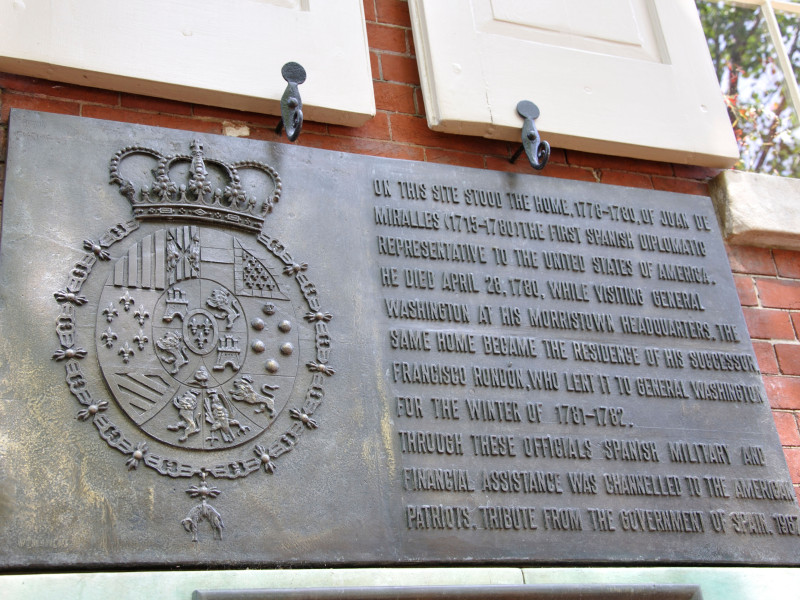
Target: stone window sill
(758,210)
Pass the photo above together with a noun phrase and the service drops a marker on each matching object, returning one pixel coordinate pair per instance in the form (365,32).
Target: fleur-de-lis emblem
(141,314)
(199,187)
(141,339)
(126,351)
(200,331)
(110,312)
(163,187)
(234,194)
(108,337)
(126,301)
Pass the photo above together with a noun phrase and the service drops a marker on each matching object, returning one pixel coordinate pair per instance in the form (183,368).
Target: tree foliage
(765,124)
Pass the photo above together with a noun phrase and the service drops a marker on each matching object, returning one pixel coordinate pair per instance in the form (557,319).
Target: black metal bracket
(291,103)
(537,151)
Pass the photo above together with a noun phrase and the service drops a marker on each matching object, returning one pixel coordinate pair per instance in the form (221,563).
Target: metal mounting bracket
(537,151)
(291,103)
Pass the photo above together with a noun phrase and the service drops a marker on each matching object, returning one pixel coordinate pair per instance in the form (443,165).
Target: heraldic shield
(201,328)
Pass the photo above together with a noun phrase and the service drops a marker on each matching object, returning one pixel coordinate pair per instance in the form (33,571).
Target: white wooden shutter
(220,52)
(624,77)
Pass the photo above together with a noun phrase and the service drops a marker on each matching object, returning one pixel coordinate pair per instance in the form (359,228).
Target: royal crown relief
(198,327)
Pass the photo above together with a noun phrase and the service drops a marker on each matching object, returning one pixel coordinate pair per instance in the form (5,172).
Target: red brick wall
(768,281)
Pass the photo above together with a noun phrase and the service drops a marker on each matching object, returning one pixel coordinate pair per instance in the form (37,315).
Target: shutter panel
(625,77)
(220,52)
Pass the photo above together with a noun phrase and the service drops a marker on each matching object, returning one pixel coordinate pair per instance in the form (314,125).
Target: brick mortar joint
(43,96)
(679,178)
(392,25)
(192,117)
(378,140)
(152,111)
(393,53)
(777,277)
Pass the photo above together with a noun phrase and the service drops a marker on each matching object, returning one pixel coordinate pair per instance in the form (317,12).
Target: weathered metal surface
(239,353)
(662,591)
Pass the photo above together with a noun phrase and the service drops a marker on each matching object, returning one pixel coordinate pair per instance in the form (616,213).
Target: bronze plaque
(224,352)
